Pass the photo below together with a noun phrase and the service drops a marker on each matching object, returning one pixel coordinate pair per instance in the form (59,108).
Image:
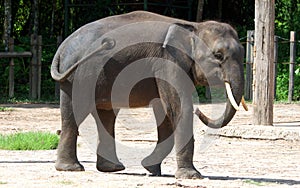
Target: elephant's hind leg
(165,141)
(107,160)
(66,152)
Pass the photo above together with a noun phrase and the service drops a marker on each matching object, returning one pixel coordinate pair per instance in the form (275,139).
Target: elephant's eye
(219,56)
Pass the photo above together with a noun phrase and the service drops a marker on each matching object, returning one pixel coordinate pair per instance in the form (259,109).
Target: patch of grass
(257,183)
(66,182)
(29,141)
(28,101)
(5,109)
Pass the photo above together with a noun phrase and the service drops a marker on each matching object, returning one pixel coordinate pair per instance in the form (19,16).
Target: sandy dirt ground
(239,155)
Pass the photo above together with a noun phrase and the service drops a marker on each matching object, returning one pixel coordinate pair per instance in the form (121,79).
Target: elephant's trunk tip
(197,112)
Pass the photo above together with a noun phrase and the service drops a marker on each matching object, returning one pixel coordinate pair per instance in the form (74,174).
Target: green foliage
(287,19)
(21,17)
(199,95)
(29,141)
(297,83)
(287,15)
(282,86)
(214,95)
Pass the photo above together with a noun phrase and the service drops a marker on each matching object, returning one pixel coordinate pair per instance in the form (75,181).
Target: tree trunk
(33,78)
(199,17)
(263,82)
(7,24)
(35,9)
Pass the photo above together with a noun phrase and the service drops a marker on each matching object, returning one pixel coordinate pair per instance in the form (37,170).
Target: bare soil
(239,155)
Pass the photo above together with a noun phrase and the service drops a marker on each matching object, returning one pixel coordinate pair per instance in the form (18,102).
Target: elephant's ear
(181,36)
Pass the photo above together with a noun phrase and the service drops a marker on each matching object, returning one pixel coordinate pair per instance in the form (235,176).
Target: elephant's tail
(107,44)
(54,68)
(56,75)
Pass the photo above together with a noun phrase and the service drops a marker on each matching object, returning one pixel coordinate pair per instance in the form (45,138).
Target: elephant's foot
(104,165)
(187,173)
(73,166)
(155,169)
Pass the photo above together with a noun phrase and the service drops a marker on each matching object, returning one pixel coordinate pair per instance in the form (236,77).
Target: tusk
(230,96)
(244,104)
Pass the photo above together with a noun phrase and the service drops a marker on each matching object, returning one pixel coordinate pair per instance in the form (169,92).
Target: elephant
(163,59)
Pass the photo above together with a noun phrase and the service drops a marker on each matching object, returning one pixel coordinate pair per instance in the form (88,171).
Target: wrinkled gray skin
(224,64)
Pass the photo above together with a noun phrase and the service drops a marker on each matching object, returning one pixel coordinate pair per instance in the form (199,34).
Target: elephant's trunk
(234,92)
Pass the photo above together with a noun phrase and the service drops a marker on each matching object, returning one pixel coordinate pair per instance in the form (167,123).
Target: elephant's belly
(140,95)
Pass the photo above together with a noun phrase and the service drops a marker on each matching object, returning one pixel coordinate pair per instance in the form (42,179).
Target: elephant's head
(218,59)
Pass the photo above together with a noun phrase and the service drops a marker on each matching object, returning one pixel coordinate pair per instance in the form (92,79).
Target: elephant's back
(77,44)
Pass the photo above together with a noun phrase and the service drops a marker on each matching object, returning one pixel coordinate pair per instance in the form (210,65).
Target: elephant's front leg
(177,102)
(107,160)
(66,152)
(184,144)
(165,141)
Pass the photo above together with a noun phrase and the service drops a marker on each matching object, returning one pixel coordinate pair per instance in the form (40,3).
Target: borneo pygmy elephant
(128,61)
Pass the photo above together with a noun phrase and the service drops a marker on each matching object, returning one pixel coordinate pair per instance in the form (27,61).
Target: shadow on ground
(260,180)
(224,178)
(227,178)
